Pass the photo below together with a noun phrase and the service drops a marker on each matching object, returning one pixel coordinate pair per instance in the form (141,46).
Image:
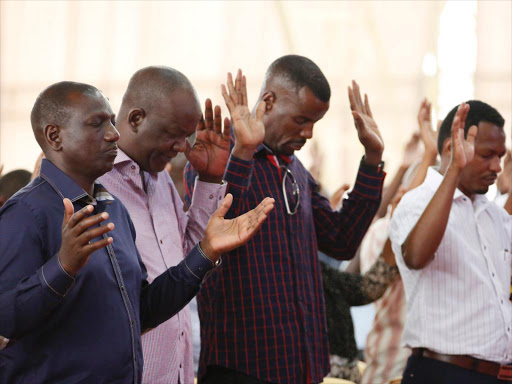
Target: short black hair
(478,111)
(13,181)
(52,106)
(301,72)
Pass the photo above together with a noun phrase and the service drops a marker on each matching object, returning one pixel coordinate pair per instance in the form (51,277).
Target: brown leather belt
(502,372)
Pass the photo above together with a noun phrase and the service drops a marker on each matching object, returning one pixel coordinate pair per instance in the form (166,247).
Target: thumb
(224,206)
(68,212)
(260,110)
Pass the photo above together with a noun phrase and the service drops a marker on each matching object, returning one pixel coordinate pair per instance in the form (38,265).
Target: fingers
(68,211)
(84,212)
(358,120)
(357,96)
(87,236)
(244,91)
(238,87)
(227,99)
(208,114)
(351,99)
(92,247)
(224,206)
(227,128)
(260,110)
(231,87)
(87,222)
(217,121)
(367,106)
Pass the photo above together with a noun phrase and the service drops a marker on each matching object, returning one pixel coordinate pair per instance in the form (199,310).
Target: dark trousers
(422,370)
(222,375)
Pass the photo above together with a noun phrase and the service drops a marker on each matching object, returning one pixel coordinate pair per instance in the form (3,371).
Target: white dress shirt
(459,303)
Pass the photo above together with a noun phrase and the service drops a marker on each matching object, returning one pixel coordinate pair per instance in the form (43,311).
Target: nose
(307,131)
(112,134)
(180,145)
(495,165)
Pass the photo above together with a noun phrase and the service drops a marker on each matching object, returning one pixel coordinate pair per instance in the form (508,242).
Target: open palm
(463,150)
(210,152)
(249,129)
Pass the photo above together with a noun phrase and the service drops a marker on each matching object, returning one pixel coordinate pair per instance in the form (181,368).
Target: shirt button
(122,287)
(182,333)
(133,167)
(211,197)
(161,241)
(180,365)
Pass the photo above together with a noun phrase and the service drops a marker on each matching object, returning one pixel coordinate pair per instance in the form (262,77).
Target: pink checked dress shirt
(165,233)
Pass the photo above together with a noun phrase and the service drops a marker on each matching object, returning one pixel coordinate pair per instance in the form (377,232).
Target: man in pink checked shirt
(160,109)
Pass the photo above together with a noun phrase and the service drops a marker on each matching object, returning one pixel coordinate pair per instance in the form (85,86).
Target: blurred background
(399,52)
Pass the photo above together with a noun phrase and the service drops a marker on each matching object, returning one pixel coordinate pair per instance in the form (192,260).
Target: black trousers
(222,375)
(422,370)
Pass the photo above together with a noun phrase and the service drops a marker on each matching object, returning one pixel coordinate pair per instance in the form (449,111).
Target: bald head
(53,106)
(295,72)
(150,85)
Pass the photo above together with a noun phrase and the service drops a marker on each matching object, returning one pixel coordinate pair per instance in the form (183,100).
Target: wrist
(207,250)
(243,153)
(373,158)
(210,179)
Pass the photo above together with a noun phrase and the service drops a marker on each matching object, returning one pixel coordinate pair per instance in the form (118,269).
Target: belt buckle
(505,372)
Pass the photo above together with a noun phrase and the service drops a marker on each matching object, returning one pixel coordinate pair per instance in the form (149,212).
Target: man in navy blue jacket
(74,297)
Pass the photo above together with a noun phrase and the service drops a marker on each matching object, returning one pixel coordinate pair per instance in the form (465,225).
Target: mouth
(296,145)
(112,151)
(489,179)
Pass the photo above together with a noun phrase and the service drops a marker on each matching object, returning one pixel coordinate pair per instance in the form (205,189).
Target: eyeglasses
(295,190)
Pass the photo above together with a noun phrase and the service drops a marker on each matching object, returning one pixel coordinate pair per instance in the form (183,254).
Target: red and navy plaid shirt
(262,311)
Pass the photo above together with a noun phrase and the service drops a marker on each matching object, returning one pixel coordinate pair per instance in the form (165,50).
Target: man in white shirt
(453,249)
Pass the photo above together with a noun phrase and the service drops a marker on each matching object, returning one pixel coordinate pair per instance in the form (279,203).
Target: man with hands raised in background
(160,109)
(73,300)
(452,247)
(262,312)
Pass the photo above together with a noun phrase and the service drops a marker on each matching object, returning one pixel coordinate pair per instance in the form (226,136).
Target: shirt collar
(434,179)
(66,187)
(265,151)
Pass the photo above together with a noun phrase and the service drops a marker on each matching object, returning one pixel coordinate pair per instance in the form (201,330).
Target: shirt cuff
(369,182)
(208,195)
(53,276)
(197,263)
(238,173)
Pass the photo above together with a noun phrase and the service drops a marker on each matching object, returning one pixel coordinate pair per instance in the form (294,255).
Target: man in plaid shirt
(262,315)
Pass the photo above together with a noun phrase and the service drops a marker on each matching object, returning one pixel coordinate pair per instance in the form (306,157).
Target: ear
(135,118)
(53,136)
(269,98)
(447,147)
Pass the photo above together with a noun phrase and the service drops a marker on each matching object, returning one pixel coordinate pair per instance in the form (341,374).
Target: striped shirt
(164,235)
(459,303)
(384,355)
(262,311)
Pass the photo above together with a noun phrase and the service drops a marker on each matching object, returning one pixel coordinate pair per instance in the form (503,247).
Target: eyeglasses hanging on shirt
(291,191)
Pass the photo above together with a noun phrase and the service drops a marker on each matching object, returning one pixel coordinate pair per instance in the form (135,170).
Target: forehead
(490,136)
(306,103)
(181,107)
(87,104)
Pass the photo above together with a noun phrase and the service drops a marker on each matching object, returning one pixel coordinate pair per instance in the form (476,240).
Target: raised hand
(248,128)
(504,182)
(222,235)
(428,136)
(76,246)
(367,129)
(210,152)
(462,150)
